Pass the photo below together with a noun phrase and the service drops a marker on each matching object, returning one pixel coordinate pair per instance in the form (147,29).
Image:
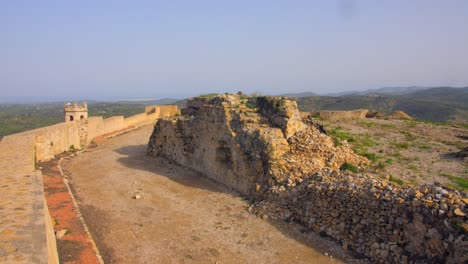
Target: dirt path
(181,217)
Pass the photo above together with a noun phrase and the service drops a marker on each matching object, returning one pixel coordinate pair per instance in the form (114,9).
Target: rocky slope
(262,148)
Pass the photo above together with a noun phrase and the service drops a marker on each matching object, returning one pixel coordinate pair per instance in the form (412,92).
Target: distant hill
(383,91)
(164,101)
(298,95)
(442,104)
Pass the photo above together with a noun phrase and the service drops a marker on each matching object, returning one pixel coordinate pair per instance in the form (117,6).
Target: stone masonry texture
(261,148)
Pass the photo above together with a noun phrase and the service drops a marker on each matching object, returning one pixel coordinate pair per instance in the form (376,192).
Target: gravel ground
(180,216)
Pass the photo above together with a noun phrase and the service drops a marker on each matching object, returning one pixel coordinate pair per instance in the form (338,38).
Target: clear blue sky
(140,49)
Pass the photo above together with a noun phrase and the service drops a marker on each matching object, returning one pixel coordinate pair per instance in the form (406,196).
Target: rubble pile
(377,218)
(261,148)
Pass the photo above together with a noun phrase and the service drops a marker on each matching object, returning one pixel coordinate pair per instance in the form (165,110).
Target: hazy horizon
(52,50)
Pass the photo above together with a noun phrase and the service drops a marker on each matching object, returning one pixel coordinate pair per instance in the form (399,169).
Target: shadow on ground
(136,158)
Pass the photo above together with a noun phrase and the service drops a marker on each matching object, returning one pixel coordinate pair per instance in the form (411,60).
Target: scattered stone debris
(260,147)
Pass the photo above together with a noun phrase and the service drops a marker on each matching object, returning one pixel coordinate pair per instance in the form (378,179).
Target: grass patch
(408,136)
(340,135)
(371,156)
(400,145)
(411,123)
(367,141)
(461,183)
(412,167)
(425,147)
(387,126)
(367,124)
(210,95)
(381,165)
(389,161)
(349,167)
(396,180)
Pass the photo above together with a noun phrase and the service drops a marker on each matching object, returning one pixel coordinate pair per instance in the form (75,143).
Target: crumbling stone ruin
(262,148)
(344,115)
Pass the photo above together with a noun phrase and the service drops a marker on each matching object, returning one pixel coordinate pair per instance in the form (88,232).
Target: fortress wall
(114,123)
(95,127)
(150,109)
(136,119)
(55,139)
(168,110)
(19,152)
(344,115)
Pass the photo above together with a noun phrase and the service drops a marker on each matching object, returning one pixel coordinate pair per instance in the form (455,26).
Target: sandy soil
(181,217)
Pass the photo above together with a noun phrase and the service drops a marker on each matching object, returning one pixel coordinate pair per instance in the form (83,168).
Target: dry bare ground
(411,152)
(180,216)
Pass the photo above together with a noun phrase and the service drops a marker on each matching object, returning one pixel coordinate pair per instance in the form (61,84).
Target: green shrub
(396,180)
(341,135)
(461,183)
(371,156)
(349,167)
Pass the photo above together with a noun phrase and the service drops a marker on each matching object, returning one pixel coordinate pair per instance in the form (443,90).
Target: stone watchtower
(75,111)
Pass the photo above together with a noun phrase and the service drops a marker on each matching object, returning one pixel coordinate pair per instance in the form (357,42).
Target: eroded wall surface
(261,148)
(344,115)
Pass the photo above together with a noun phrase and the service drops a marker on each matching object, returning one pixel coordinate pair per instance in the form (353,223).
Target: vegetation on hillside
(437,104)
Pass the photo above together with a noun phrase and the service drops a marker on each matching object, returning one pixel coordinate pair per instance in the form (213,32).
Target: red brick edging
(76,245)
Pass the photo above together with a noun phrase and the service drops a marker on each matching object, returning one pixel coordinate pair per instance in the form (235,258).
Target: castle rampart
(34,241)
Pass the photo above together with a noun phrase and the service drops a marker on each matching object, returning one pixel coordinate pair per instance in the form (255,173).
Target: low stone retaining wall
(344,115)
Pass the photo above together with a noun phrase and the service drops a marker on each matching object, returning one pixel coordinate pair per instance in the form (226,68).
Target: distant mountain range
(163,101)
(440,104)
(377,91)
(297,95)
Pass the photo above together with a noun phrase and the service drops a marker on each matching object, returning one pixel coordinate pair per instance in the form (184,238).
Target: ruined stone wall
(344,115)
(206,145)
(241,143)
(260,148)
